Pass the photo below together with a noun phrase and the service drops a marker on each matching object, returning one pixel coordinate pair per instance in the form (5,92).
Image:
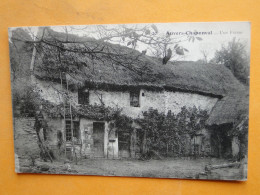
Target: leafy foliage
(25,101)
(20,54)
(169,133)
(235,58)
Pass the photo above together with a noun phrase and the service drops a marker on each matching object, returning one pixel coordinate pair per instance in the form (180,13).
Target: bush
(171,134)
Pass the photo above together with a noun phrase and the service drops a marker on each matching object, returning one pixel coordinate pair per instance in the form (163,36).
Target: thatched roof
(230,109)
(132,69)
(140,71)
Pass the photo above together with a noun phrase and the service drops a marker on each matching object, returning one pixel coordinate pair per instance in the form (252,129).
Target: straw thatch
(230,109)
(132,70)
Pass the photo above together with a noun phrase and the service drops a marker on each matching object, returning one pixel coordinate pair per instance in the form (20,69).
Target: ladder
(68,116)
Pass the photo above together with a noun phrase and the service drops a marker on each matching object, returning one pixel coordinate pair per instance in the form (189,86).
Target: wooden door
(98,138)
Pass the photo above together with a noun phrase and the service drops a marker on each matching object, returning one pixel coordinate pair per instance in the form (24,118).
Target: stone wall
(25,138)
(53,92)
(161,100)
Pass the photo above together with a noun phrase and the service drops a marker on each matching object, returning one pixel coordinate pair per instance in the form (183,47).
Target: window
(83,97)
(134,98)
(76,131)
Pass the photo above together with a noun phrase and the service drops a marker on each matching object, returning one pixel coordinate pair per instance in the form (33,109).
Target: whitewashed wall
(163,101)
(52,92)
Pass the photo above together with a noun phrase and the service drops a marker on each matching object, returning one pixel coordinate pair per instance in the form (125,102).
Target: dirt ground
(167,168)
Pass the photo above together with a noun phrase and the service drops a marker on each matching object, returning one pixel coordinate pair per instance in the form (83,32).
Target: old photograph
(164,100)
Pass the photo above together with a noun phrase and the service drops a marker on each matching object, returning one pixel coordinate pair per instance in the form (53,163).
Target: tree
(205,54)
(235,57)
(20,54)
(146,38)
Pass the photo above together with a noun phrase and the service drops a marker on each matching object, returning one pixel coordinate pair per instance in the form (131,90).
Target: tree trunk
(44,150)
(39,34)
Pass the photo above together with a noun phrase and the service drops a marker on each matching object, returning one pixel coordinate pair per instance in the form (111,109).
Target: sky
(219,33)
(213,34)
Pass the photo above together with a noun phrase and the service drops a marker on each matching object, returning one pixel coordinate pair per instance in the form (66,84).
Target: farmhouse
(231,113)
(79,105)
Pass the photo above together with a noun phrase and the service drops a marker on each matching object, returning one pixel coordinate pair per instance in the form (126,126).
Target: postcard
(163,100)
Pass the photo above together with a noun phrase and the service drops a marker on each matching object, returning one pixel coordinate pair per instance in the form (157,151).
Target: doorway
(98,139)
